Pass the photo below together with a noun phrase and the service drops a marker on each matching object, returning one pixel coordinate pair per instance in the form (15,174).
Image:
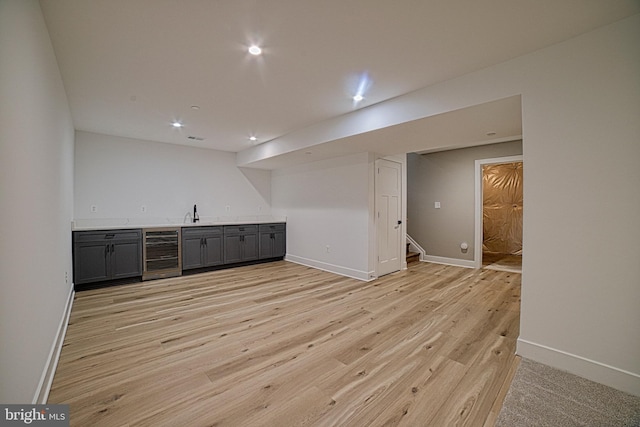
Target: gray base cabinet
(106,255)
(240,243)
(273,241)
(101,255)
(201,247)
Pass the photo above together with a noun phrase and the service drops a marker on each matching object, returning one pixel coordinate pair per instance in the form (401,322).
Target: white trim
(417,247)
(477,247)
(46,379)
(611,376)
(331,268)
(449,261)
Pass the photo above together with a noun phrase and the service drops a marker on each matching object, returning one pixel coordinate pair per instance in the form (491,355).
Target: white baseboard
(611,376)
(46,379)
(450,261)
(337,269)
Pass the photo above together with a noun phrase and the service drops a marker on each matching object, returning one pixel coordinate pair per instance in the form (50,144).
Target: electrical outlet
(227,208)
(436,205)
(143,209)
(94,209)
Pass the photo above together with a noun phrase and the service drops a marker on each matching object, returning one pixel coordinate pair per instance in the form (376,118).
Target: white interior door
(388,188)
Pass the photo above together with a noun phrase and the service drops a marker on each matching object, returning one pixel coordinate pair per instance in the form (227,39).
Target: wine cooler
(162,254)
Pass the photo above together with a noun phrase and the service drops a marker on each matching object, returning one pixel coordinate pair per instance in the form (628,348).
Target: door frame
(477,249)
(403,229)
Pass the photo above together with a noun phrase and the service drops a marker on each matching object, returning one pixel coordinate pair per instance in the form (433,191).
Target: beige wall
(581,275)
(447,177)
(36,199)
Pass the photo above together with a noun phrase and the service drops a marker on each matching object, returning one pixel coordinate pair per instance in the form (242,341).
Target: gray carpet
(543,396)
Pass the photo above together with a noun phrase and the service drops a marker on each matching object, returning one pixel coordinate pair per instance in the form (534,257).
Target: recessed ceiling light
(255,50)
(253,138)
(360,87)
(492,133)
(195,107)
(177,124)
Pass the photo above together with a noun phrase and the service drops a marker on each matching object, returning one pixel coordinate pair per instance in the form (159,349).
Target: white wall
(581,289)
(581,133)
(328,204)
(36,199)
(449,178)
(120,175)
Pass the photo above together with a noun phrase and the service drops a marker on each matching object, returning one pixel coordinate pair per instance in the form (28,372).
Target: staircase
(412,257)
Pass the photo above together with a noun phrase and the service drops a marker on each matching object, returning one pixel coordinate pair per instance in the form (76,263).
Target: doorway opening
(499,209)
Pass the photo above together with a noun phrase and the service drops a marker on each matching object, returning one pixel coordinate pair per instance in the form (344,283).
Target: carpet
(543,396)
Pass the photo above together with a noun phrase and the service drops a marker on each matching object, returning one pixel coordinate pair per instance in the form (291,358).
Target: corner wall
(328,209)
(36,200)
(581,294)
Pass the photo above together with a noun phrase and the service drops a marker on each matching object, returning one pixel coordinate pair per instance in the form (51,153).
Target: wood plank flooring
(281,344)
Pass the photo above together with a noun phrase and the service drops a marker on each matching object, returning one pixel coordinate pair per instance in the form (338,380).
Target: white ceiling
(131,67)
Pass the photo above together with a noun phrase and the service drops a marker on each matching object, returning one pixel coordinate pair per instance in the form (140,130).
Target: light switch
(436,205)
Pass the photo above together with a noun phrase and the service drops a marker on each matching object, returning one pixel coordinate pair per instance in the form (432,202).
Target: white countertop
(128,223)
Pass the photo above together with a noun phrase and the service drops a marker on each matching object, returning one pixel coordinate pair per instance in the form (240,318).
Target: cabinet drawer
(240,229)
(93,236)
(268,228)
(201,231)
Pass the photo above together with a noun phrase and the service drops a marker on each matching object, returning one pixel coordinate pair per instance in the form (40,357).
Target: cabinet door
(90,262)
(232,252)
(279,244)
(249,247)
(213,250)
(126,259)
(266,245)
(191,252)
(273,241)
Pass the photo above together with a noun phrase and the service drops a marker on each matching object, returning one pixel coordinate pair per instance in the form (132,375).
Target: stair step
(413,257)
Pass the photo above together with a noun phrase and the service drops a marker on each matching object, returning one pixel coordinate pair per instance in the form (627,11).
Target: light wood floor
(285,345)
(502,262)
